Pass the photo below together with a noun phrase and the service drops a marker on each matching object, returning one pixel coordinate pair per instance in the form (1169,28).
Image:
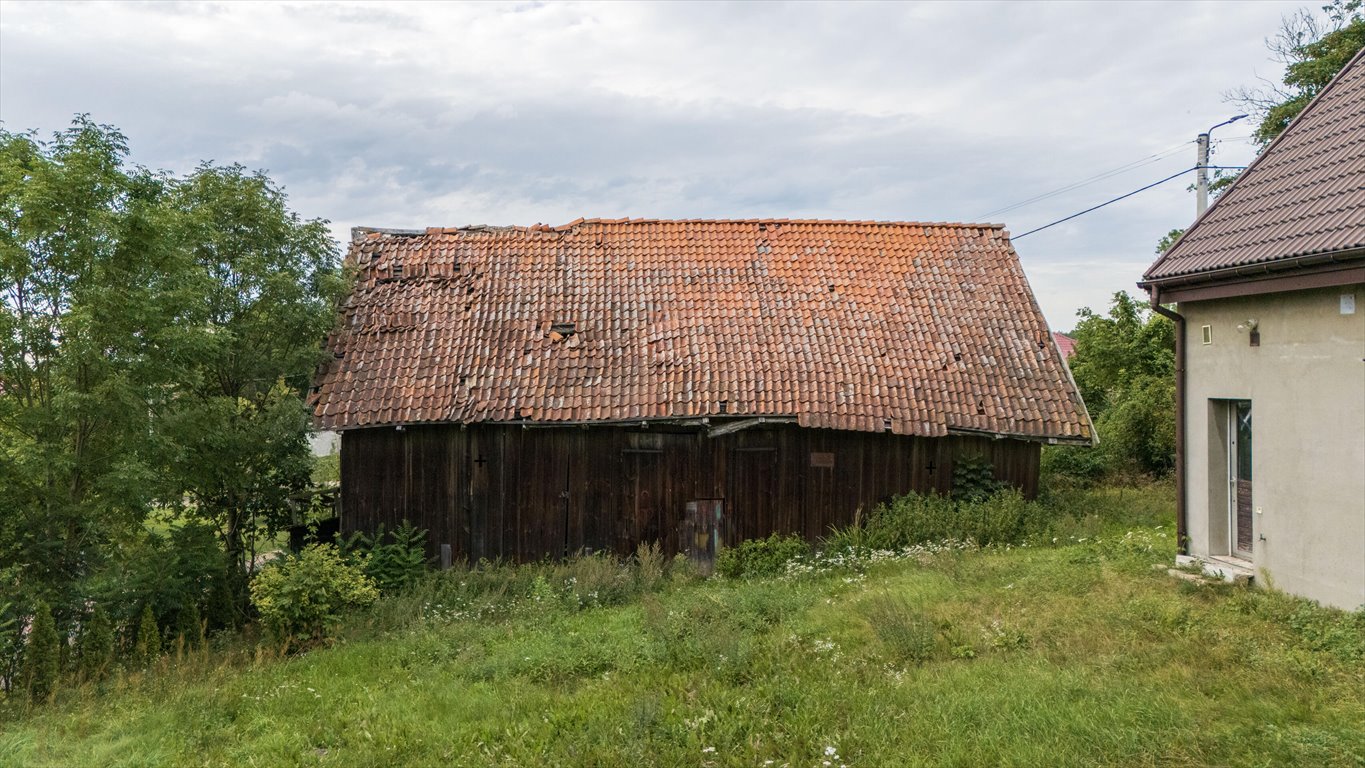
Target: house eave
(716,426)
(1321,270)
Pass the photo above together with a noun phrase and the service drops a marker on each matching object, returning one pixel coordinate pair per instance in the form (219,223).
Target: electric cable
(1107,202)
(1148,160)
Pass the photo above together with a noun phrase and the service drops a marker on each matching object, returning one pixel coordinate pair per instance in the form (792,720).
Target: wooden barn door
(644,472)
(751,488)
(536,481)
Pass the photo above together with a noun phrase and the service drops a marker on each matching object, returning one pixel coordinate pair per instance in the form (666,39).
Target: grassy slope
(1078,654)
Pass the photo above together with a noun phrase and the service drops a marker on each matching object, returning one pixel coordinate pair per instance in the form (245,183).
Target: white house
(1269,286)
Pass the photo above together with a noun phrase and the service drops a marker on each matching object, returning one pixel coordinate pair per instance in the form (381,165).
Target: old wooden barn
(530,392)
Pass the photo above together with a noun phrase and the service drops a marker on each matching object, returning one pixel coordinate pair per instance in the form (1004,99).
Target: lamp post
(1202,166)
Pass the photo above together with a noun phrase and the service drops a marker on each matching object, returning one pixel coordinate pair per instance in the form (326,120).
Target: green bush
(10,640)
(974,478)
(176,573)
(1005,517)
(1137,430)
(42,650)
(761,557)
(394,559)
(1079,466)
(301,598)
(191,627)
(682,570)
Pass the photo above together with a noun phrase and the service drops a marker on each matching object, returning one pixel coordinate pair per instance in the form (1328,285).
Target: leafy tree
(42,651)
(1313,50)
(1138,428)
(83,282)
(156,335)
(1131,342)
(1168,240)
(268,283)
(173,573)
(1124,366)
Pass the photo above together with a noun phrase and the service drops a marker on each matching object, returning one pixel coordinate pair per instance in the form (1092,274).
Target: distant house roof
(918,329)
(1304,196)
(1065,343)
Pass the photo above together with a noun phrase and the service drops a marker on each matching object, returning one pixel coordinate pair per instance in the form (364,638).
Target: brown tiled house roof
(914,328)
(1304,196)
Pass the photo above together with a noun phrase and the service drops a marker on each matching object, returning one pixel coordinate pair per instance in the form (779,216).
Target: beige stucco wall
(1306,383)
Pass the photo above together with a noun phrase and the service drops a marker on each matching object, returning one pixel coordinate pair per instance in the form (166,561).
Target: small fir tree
(42,650)
(192,627)
(97,645)
(148,645)
(221,613)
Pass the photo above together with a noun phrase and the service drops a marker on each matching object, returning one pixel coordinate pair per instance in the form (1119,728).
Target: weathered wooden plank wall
(529,493)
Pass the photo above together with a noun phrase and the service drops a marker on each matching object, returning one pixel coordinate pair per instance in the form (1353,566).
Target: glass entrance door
(1240,515)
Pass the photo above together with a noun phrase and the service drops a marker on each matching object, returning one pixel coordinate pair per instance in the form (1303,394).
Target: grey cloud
(417,115)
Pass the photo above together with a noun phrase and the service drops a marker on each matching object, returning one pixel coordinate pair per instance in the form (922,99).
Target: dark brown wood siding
(507,492)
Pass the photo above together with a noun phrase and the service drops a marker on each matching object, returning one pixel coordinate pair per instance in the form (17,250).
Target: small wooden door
(1240,510)
(701,532)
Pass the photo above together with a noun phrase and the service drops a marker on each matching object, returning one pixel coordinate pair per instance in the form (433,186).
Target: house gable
(1292,220)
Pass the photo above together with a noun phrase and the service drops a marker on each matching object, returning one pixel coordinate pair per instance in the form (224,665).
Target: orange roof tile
(916,328)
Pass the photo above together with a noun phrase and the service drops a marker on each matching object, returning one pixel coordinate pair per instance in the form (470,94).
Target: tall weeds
(1004,517)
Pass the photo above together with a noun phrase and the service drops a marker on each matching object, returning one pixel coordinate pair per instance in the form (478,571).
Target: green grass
(1077,653)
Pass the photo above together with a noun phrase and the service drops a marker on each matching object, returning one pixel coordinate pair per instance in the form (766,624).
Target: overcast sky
(438,115)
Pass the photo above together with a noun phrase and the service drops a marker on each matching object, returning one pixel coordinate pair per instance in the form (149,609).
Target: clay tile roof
(917,328)
(1303,196)
(1065,344)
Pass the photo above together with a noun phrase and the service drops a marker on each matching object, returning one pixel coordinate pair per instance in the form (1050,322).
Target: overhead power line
(1106,202)
(1148,160)
(1130,194)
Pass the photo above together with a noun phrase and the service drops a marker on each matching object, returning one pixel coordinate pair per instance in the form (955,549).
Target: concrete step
(1227,569)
